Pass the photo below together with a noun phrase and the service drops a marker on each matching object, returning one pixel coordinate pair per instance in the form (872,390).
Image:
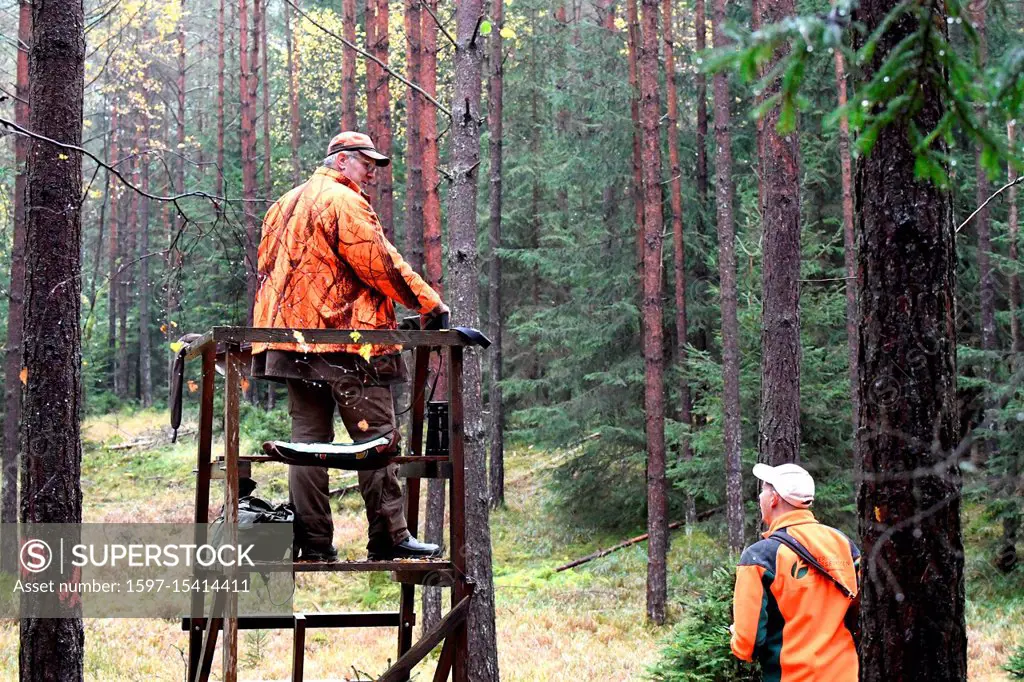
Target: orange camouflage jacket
(790,616)
(324,263)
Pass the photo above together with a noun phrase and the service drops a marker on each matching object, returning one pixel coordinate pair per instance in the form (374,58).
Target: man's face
(358,168)
(767,501)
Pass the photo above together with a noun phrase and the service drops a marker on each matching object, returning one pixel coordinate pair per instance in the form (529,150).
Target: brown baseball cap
(351,141)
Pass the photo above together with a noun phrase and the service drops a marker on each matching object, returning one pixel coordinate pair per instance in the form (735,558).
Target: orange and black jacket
(324,263)
(790,616)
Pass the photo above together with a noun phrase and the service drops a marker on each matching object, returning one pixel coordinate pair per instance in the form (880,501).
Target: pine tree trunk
(293,94)
(724,192)
(779,160)
(265,87)
(348,67)
(678,243)
(633,38)
(414,141)
(247,86)
(912,603)
(126,272)
(986,275)
(174,254)
(1007,557)
(700,36)
(432,268)
(145,346)
(16,301)
(495,92)
(219,181)
(463,267)
(849,241)
(53,649)
(381,90)
(113,240)
(654,398)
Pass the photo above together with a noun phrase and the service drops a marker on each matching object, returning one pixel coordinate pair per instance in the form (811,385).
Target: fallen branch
(344,490)
(632,541)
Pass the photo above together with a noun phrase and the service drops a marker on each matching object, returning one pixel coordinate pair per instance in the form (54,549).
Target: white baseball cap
(791,481)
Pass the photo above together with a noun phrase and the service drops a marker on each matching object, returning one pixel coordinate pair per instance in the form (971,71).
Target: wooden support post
(299,647)
(213,626)
(457,506)
(202,510)
(453,621)
(232,393)
(407,604)
(444,662)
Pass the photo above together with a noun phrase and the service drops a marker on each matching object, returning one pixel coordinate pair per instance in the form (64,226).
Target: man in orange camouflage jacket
(324,263)
(786,612)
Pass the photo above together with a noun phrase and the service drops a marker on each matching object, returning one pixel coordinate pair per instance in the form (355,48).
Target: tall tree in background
(432,267)
(724,192)
(265,88)
(293,93)
(678,243)
(247,60)
(986,274)
(414,141)
(219,180)
(145,346)
(463,268)
(16,300)
(654,381)
(779,161)
(633,43)
(700,26)
(495,87)
(113,246)
(53,648)
(1006,559)
(348,67)
(379,90)
(849,241)
(909,495)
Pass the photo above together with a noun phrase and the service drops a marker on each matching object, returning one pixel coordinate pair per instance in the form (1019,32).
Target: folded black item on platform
(351,456)
(254,515)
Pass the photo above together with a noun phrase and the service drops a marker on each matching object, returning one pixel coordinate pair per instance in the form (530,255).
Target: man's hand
(436,318)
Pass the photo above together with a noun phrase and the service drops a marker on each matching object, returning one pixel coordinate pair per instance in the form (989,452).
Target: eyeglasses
(367,164)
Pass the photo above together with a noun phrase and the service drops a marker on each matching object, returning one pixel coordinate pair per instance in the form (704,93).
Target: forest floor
(583,624)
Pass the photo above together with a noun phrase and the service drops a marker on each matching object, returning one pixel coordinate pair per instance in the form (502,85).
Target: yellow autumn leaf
(298,336)
(878,514)
(363,425)
(177,346)
(507,33)
(62,157)
(245,384)
(355,336)
(24,375)
(192,386)
(364,351)
(163,329)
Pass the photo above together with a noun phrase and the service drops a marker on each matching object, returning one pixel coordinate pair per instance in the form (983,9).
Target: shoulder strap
(801,551)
